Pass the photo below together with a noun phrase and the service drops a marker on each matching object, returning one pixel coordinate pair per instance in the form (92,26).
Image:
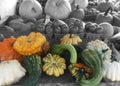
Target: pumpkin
(108,30)
(7,52)
(75,25)
(90,14)
(59,9)
(76,68)
(104,5)
(10,72)
(60,26)
(7,8)
(111,70)
(82,3)
(104,16)
(77,13)
(54,65)
(31,44)
(71,39)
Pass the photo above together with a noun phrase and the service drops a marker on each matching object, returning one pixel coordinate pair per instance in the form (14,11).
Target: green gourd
(60,48)
(92,60)
(34,68)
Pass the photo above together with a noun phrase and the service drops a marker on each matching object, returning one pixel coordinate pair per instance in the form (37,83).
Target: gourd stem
(78,7)
(104,50)
(81,73)
(73,2)
(70,35)
(107,11)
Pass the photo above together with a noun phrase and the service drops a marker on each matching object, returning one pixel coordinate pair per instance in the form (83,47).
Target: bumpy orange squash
(7,51)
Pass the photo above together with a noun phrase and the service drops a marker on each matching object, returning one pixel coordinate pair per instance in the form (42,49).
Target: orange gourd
(7,51)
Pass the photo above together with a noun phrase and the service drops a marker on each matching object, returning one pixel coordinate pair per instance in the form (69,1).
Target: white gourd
(11,72)
(111,70)
(7,8)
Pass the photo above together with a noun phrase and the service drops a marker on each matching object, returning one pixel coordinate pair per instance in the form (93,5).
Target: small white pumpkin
(111,70)
(7,8)
(10,72)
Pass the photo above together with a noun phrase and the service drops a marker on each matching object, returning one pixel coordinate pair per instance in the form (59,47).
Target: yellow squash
(31,44)
(71,39)
(54,65)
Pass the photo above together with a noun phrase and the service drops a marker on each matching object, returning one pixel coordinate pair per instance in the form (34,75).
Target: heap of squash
(35,55)
(27,48)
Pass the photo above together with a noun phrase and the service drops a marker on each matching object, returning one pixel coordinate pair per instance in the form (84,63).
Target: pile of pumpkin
(25,48)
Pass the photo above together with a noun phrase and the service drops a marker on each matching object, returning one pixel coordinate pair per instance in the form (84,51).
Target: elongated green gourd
(92,60)
(59,48)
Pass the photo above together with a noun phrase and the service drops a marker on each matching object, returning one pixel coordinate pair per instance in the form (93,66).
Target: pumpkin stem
(107,0)
(108,10)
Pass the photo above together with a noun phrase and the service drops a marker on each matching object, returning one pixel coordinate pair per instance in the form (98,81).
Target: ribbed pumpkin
(54,65)
(7,52)
(31,44)
(71,39)
(76,68)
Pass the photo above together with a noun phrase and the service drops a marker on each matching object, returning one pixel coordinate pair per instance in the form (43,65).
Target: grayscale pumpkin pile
(50,37)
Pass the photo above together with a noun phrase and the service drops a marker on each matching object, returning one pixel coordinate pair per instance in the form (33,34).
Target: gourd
(60,26)
(60,48)
(104,5)
(115,37)
(75,25)
(116,21)
(76,68)
(82,3)
(101,47)
(7,52)
(108,30)
(33,66)
(31,44)
(92,60)
(91,14)
(104,16)
(11,72)
(111,71)
(71,39)
(58,9)
(77,13)
(54,65)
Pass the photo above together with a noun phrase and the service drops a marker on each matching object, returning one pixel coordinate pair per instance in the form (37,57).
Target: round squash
(71,39)
(54,65)
(108,29)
